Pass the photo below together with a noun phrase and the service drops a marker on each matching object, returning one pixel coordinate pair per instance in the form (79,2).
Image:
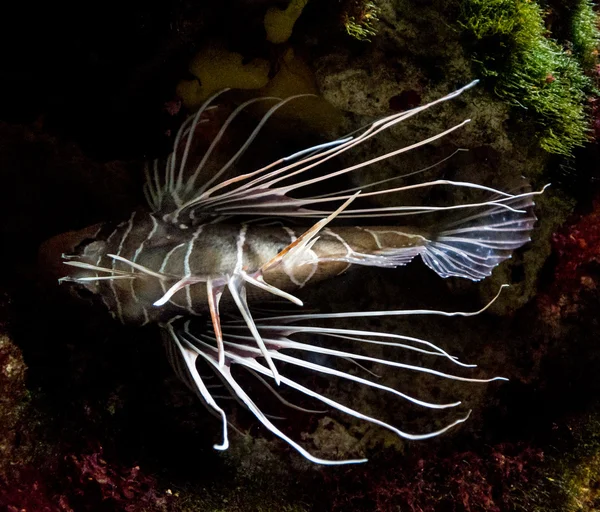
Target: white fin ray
(162,193)
(283,343)
(395,178)
(264,189)
(264,196)
(274,332)
(91,279)
(190,357)
(391,211)
(351,334)
(341,145)
(239,392)
(382,313)
(258,281)
(344,375)
(214,294)
(238,292)
(280,103)
(180,184)
(98,268)
(179,285)
(205,350)
(191,182)
(282,399)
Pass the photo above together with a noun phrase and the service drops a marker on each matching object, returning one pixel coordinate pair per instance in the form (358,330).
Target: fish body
(216,252)
(212,243)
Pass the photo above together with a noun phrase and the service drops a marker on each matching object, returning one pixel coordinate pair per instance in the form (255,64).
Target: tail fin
(472,246)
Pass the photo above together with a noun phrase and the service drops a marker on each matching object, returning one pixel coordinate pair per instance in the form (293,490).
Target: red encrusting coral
(27,491)
(84,482)
(578,245)
(119,488)
(460,482)
(576,248)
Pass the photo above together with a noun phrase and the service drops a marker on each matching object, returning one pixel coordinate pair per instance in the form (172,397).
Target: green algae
(571,480)
(529,70)
(585,33)
(360,20)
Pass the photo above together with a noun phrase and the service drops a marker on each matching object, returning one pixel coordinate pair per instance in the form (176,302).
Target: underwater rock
(415,55)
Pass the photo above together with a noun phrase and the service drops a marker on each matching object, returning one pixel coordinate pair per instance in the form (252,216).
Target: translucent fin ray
(203,350)
(238,346)
(189,357)
(472,247)
(255,192)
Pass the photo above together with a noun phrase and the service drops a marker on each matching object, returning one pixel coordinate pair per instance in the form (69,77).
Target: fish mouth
(50,254)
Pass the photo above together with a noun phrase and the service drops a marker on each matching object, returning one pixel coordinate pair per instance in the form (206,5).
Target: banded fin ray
(189,337)
(172,183)
(190,376)
(260,192)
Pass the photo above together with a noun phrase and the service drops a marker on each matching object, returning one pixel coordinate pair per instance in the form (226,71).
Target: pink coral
(461,482)
(119,488)
(577,251)
(84,482)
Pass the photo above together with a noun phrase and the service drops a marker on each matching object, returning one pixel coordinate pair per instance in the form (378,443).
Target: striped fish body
(216,252)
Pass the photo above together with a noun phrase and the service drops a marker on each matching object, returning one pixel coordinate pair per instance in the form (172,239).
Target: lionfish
(209,249)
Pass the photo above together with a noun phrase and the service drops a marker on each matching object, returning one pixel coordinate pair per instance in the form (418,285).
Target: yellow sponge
(296,77)
(217,68)
(280,23)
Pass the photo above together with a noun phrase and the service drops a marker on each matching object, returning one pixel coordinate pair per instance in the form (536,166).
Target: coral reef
(576,249)
(495,481)
(117,488)
(82,482)
(91,415)
(578,474)
(13,399)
